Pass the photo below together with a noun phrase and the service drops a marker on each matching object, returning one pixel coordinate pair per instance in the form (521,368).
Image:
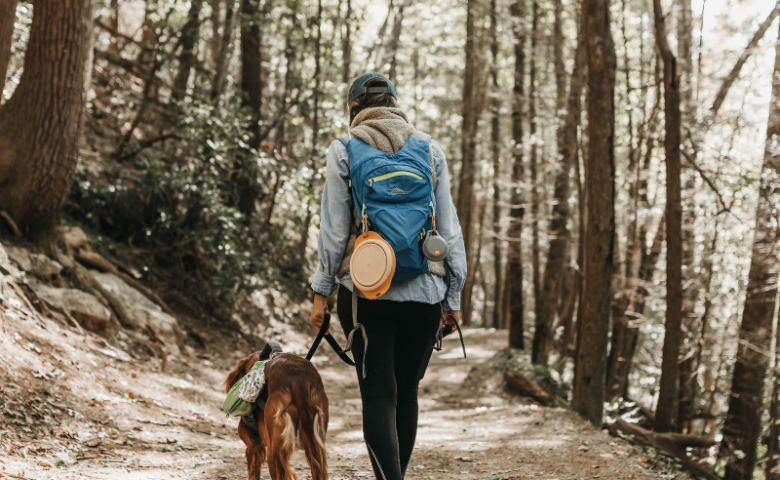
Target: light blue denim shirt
(335,221)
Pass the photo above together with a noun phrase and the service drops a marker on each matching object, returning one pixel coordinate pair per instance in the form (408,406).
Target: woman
(402,325)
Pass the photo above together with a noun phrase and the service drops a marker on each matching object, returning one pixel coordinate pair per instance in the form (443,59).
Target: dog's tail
(314,431)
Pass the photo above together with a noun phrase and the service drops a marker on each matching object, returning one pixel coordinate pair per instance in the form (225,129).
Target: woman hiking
(387,191)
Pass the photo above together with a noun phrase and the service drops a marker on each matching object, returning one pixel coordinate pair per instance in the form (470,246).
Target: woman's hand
(451,319)
(318,311)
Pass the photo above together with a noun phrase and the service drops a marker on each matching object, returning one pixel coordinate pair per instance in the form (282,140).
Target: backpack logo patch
(397,191)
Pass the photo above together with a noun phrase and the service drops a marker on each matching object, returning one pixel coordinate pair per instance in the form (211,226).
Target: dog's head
(242,368)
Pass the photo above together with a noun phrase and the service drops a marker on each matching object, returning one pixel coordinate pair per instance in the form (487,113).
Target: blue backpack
(394,197)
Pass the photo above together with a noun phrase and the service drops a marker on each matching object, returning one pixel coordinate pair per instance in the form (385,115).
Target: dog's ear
(239,371)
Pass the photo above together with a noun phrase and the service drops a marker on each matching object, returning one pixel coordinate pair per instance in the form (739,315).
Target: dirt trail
(93,412)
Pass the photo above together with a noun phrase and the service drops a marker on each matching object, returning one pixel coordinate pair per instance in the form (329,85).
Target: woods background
(613,167)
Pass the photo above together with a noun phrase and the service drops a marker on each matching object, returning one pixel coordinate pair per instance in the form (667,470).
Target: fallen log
(673,444)
(519,383)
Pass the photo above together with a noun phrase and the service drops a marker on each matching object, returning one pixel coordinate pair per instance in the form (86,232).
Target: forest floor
(76,408)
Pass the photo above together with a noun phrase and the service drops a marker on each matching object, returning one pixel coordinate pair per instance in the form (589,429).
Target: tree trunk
(513,280)
(252,100)
(395,39)
(189,40)
(737,68)
(223,57)
(466,194)
(600,230)
(7,17)
(39,125)
(495,148)
(667,394)
(214,43)
(346,45)
(315,128)
(742,427)
(774,416)
(536,272)
(559,234)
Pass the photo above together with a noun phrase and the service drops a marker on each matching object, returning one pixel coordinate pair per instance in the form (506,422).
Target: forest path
(150,425)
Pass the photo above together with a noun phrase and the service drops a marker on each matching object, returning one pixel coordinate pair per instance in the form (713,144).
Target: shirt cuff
(323,283)
(451,302)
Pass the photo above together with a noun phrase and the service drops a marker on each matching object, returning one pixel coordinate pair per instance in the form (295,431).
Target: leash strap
(331,341)
(320,335)
(357,326)
(442,323)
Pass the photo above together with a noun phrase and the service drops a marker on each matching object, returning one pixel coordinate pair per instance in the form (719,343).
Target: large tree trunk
(189,39)
(536,272)
(252,100)
(495,148)
(7,18)
(742,427)
(513,280)
(39,125)
(466,197)
(667,394)
(559,234)
(600,230)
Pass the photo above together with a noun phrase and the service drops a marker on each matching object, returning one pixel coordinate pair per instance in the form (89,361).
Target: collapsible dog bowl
(372,265)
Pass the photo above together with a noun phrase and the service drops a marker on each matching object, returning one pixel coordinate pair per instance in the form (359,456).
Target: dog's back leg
(255,445)
(280,425)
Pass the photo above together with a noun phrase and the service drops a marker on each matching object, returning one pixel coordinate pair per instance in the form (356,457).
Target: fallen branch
(673,444)
(519,383)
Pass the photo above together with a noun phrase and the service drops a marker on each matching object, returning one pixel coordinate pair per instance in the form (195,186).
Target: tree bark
(536,278)
(600,230)
(214,43)
(559,234)
(346,45)
(513,280)
(495,148)
(252,101)
(315,128)
(7,18)
(667,395)
(223,57)
(742,427)
(189,40)
(774,417)
(395,39)
(467,179)
(39,125)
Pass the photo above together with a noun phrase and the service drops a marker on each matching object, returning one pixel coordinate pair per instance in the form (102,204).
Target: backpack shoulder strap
(427,138)
(344,139)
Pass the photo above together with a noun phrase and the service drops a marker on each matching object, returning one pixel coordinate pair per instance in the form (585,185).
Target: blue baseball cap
(359,88)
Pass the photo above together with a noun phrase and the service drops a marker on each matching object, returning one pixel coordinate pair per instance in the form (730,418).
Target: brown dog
(296,407)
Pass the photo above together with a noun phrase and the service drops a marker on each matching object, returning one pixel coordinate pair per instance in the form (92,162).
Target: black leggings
(400,339)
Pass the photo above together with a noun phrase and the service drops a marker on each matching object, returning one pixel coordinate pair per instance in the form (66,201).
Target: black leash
(331,341)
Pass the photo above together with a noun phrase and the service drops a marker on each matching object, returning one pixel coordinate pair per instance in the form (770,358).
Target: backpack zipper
(390,175)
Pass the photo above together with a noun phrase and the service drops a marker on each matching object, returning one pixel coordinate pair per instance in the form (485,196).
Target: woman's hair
(370,100)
